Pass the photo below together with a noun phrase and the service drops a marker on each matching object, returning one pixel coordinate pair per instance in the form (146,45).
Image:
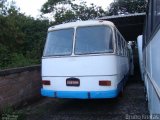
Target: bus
(151,56)
(84,60)
(140,54)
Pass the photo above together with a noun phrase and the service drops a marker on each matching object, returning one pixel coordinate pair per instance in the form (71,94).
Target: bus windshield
(59,42)
(93,39)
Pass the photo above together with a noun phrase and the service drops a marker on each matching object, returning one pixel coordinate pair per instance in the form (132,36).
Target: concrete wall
(19,86)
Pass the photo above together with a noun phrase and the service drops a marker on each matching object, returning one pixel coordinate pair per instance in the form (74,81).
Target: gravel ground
(132,102)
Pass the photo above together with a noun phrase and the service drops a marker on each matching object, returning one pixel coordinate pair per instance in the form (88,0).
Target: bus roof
(81,23)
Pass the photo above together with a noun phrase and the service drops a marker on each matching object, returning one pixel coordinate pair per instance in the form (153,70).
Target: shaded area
(130,25)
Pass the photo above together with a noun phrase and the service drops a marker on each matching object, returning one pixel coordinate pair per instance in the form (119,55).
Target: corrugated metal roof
(121,16)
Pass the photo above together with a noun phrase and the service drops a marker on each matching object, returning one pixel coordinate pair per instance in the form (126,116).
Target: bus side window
(116,41)
(126,49)
(123,47)
(149,24)
(156,13)
(119,44)
(118,49)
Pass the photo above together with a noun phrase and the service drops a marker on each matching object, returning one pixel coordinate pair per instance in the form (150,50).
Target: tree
(67,11)
(84,12)
(21,37)
(127,6)
(3,7)
(51,5)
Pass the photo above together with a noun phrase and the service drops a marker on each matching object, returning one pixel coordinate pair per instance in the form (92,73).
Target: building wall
(19,86)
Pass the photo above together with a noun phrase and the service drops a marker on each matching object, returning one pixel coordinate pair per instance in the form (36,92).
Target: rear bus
(79,61)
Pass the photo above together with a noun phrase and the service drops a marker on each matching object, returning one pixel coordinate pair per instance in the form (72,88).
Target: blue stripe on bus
(47,93)
(72,94)
(80,94)
(85,94)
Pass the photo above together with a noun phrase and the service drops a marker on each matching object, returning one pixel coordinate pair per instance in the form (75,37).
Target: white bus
(140,54)
(84,60)
(151,57)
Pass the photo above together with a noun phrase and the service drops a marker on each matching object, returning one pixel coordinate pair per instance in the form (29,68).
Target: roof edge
(121,16)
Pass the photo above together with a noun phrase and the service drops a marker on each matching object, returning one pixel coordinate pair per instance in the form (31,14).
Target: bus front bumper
(80,94)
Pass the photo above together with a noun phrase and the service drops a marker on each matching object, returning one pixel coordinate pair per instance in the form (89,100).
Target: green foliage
(83,12)
(3,7)
(4,56)
(50,5)
(62,16)
(127,6)
(69,11)
(21,38)
(18,60)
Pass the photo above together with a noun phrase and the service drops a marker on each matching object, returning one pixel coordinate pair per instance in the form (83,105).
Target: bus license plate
(73,82)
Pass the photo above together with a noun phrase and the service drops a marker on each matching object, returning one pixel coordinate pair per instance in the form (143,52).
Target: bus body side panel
(140,43)
(122,65)
(152,75)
